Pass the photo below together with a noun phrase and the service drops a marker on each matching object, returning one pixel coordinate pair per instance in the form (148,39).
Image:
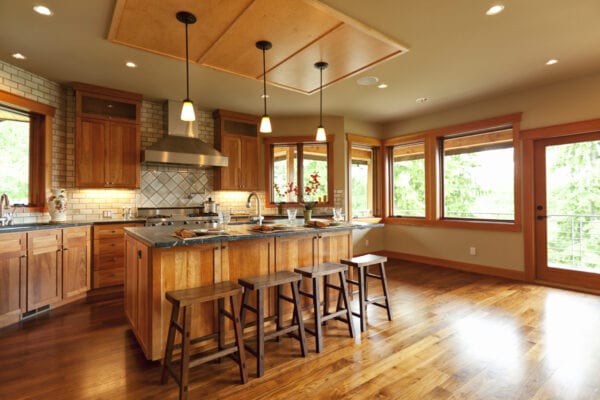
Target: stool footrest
(352,281)
(202,358)
(286,298)
(372,275)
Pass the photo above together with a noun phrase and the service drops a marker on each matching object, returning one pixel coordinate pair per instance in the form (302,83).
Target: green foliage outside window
(14,163)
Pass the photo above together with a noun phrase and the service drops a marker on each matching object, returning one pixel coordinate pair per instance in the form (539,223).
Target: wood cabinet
(44,268)
(236,136)
(13,273)
(138,302)
(76,270)
(107,138)
(109,254)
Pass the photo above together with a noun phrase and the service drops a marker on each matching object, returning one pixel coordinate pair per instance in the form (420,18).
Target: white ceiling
(457,55)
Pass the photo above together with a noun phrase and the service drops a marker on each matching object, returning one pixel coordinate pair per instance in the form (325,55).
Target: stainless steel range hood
(181,144)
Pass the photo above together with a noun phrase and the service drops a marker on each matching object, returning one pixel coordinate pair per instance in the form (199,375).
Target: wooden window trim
(268,142)
(433,174)
(377,148)
(40,157)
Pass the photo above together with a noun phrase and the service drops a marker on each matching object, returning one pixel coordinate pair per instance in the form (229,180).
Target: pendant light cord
(187,67)
(321,99)
(264,81)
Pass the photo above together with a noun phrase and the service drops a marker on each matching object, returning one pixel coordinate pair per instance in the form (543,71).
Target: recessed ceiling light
(19,56)
(422,100)
(382,85)
(552,61)
(495,9)
(367,80)
(42,10)
(131,64)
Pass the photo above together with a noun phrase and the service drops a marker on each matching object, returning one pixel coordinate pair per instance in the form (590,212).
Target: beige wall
(562,102)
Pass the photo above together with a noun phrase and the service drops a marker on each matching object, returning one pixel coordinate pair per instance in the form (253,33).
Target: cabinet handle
(223,247)
(216,248)
(24,256)
(113,245)
(139,252)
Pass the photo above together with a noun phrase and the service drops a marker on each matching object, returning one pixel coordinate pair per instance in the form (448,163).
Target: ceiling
(458,55)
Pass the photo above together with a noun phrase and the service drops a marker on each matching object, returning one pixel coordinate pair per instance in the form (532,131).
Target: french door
(567,209)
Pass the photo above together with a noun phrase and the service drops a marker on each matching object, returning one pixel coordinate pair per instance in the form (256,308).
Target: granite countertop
(163,236)
(35,226)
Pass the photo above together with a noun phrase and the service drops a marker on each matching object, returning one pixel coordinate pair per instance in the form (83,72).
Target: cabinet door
(122,156)
(89,153)
(13,263)
(44,268)
(249,174)
(231,146)
(76,261)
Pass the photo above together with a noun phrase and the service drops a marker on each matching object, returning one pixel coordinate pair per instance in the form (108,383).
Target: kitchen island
(157,262)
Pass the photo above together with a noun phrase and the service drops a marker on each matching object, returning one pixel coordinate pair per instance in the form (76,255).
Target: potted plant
(310,192)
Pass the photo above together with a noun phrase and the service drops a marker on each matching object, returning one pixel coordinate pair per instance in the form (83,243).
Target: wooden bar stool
(321,318)
(259,284)
(362,264)
(185,298)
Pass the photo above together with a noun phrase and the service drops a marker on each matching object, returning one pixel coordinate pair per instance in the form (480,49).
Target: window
(292,164)
(408,180)
(463,176)
(30,175)
(364,176)
(478,176)
(14,164)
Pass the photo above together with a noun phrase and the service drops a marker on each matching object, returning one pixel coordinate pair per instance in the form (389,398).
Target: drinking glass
(338,215)
(291,213)
(226,219)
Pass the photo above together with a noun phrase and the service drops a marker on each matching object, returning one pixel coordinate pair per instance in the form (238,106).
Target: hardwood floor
(454,336)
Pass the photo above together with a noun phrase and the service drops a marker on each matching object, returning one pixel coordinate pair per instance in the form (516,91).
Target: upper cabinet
(107,138)
(236,136)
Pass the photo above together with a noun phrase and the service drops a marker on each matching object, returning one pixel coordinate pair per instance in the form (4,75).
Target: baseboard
(462,266)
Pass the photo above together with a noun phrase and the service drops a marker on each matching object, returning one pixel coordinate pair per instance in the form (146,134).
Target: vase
(57,205)
(307,215)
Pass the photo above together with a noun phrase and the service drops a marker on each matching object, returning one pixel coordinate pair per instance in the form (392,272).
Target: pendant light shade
(187,109)
(265,122)
(321,134)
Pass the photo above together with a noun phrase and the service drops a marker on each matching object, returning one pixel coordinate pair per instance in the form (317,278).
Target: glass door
(567,200)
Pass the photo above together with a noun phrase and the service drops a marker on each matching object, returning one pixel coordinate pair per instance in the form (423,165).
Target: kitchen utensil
(210,206)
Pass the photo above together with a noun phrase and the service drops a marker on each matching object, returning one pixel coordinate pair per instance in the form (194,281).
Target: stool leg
(169,349)
(385,291)
(221,306)
(362,297)
(278,308)
(325,296)
(260,333)
(185,353)
(239,339)
(298,313)
(245,299)
(344,295)
(317,311)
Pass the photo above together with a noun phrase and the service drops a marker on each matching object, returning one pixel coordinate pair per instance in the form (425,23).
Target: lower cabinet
(42,267)
(76,260)
(137,291)
(13,274)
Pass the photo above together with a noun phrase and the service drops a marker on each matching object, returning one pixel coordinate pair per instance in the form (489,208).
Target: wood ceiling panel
(347,50)
(151,25)
(224,37)
(289,25)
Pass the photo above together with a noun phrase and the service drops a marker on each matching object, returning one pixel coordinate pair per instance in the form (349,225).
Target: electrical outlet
(473,250)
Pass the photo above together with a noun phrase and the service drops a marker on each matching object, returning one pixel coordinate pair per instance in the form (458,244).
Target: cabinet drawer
(12,243)
(108,231)
(109,261)
(44,241)
(108,277)
(75,237)
(109,246)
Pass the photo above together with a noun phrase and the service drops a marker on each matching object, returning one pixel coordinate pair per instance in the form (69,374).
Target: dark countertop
(162,236)
(36,226)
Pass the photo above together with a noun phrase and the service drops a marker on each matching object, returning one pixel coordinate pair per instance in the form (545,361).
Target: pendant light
(265,121)
(187,109)
(321,134)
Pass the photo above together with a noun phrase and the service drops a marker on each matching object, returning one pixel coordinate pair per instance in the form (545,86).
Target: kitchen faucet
(5,218)
(257,205)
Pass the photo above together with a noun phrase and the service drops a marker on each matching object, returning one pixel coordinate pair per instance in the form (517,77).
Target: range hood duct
(181,144)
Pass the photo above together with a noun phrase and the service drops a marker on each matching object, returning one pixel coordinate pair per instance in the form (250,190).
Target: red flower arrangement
(310,190)
(289,188)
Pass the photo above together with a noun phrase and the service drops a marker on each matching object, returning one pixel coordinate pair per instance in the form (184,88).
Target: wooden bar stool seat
(259,284)
(183,299)
(362,265)
(342,312)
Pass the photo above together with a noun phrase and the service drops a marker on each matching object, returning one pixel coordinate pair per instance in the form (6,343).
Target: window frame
(434,174)
(40,148)
(376,146)
(298,140)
